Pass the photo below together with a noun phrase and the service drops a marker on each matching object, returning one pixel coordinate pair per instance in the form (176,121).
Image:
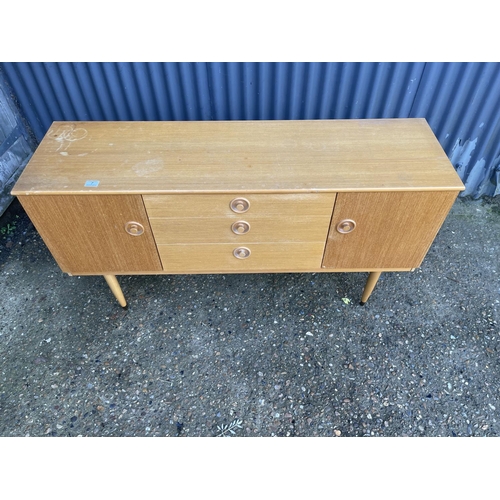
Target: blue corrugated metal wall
(461,101)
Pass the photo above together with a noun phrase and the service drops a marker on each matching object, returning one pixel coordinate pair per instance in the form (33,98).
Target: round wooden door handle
(241,252)
(240,227)
(134,228)
(346,226)
(239,205)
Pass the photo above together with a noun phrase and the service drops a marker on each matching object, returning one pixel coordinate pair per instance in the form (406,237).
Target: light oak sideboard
(114,198)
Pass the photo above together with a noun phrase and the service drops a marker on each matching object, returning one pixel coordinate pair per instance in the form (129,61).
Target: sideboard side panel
(86,234)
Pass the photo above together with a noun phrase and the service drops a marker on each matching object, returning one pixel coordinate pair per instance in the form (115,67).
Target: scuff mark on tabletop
(147,167)
(66,134)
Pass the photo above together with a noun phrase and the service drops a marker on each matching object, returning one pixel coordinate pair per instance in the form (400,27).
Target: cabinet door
(86,234)
(393,230)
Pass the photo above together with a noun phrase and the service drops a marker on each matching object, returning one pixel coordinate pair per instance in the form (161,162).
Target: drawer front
(219,205)
(239,230)
(220,257)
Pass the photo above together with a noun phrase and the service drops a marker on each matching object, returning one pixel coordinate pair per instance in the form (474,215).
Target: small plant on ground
(9,228)
(224,429)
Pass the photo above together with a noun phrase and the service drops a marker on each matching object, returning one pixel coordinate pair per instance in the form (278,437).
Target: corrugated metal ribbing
(109,91)
(296,91)
(461,101)
(211,91)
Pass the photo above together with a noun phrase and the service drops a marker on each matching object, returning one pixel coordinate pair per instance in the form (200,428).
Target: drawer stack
(206,233)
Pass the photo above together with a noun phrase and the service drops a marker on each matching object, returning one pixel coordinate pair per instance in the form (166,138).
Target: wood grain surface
(217,205)
(238,156)
(392,229)
(219,258)
(86,234)
(218,230)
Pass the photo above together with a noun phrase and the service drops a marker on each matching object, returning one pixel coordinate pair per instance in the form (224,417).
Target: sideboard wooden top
(238,156)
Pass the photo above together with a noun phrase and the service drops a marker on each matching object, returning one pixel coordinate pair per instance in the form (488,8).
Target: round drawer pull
(240,205)
(346,226)
(134,228)
(241,252)
(240,227)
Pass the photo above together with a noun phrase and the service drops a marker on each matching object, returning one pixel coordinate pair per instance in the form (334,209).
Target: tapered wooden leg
(370,285)
(115,288)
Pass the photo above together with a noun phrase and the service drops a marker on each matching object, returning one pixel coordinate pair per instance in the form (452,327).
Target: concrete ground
(255,355)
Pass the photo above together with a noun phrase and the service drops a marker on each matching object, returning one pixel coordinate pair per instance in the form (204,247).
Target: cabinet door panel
(393,229)
(86,234)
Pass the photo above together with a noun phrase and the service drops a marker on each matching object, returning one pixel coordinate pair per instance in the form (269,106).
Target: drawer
(219,205)
(225,229)
(220,258)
